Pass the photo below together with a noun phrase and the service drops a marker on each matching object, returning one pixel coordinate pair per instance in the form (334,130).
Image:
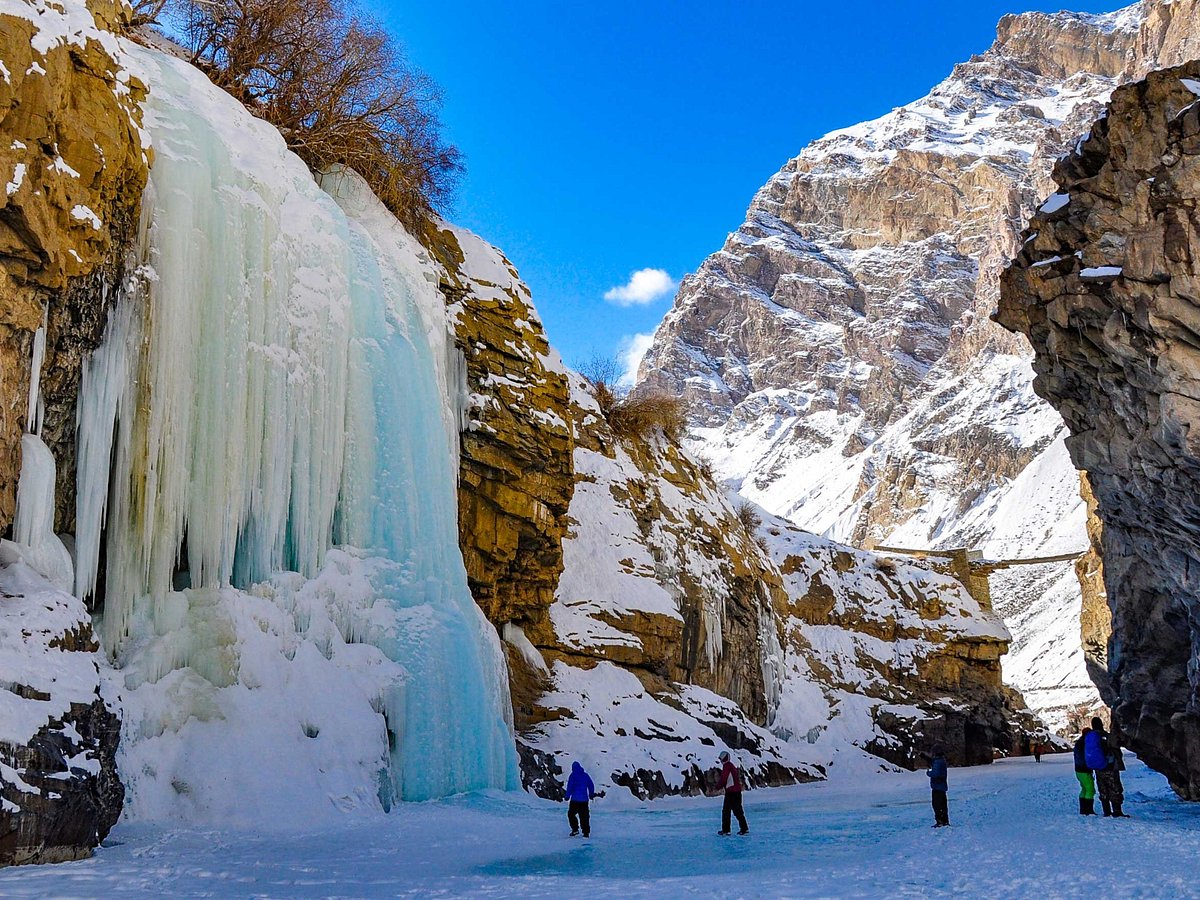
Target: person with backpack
(1103,748)
(938,786)
(731,784)
(1083,772)
(580,790)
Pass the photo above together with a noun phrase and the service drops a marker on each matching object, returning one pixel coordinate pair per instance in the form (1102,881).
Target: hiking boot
(744,831)
(722,832)
(574,834)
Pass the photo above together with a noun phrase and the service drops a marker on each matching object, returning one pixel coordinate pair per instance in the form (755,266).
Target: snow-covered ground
(1015,833)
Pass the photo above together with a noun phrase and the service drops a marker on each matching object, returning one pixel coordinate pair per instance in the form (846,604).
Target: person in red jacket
(731,784)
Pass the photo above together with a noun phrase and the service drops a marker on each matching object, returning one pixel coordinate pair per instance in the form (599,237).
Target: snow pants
(941,808)
(1109,783)
(1087,786)
(733,807)
(578,814)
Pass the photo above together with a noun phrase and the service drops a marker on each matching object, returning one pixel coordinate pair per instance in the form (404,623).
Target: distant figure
(580,790)
(938,786)
(1037,751)
(1105,749)
(1083,772)
(731,784)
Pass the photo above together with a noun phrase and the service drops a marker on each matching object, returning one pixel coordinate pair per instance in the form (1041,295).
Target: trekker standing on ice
(1083,772)
(1103,755)
(938,786)
(580,790)
(731,783)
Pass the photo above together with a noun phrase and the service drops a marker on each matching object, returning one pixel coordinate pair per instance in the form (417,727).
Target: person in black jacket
(1087,785)
(938,786)
(1108,778)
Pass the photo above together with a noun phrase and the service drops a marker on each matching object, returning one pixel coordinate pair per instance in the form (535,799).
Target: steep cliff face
(515,472)
(684,624)
(838,351)
(906,657)
(663,646)
(1105,288)
(74,165)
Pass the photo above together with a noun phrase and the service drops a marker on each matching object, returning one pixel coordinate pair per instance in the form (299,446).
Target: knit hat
(723,755)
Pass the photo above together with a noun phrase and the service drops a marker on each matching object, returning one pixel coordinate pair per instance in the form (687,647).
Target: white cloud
(629,356)
(644,286)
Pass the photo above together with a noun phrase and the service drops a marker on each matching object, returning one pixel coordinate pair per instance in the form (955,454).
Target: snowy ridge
(836,351)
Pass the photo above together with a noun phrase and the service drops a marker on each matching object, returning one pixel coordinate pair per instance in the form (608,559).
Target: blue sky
(604,138)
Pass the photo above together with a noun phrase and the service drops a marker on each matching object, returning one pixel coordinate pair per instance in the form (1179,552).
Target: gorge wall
(1107,289)
(838,350)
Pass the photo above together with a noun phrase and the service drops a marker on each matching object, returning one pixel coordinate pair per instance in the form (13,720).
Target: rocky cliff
(515,474)
(1106,289)
(838,353)
(683,625)
(74,166)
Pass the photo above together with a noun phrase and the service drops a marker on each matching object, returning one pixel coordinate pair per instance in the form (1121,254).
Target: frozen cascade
(273,383)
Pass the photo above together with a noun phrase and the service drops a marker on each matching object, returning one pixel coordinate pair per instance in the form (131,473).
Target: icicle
(33,525)
(33,415)
(274,384)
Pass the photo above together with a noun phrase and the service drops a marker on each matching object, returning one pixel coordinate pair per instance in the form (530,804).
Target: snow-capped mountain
(837,353)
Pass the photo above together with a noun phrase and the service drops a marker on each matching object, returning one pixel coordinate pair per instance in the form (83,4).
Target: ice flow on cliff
(266,450)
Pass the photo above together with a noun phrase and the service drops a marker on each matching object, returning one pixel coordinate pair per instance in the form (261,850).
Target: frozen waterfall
(271,387)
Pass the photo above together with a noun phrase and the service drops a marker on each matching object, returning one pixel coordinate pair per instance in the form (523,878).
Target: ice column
(262,393)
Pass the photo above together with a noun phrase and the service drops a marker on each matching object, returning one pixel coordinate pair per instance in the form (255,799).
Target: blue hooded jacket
(937,774)
(579,784)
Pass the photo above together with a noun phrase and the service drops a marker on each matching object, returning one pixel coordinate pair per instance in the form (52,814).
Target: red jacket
(731,780)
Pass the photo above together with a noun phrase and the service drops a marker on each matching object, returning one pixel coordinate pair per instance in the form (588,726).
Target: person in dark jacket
(938,786)
(1108,777)
(731,784)
(1083,772)
(580,790)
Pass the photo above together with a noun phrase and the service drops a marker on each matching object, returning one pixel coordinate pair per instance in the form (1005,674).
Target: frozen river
(1015,832)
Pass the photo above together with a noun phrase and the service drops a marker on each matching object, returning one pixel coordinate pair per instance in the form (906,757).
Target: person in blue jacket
(580,790)
(938,786)
(1083,773)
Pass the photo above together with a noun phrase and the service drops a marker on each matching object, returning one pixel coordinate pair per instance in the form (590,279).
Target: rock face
(663,646)
(684,625)
(906,657)
(72,160)
(838,351)
(59,790)
(1107,289)
(515,473)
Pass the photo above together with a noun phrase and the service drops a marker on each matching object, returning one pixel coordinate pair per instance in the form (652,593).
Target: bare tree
(338,88)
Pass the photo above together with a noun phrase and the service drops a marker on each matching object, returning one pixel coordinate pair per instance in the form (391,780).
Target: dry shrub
(638,416)
(748,516)
(335,84)
(633,415)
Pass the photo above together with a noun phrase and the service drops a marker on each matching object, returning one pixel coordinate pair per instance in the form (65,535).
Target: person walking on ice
(1083,772)
(731,784)
(580,790)
(938,786)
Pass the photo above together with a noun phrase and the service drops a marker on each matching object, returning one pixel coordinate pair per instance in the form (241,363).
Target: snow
(1055,203)
(82,213)
(34,615)
(1014,833)
(1101,272)
(1192,85)
(18,179)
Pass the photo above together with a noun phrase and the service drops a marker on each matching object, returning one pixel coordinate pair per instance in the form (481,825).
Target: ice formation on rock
(268,389)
